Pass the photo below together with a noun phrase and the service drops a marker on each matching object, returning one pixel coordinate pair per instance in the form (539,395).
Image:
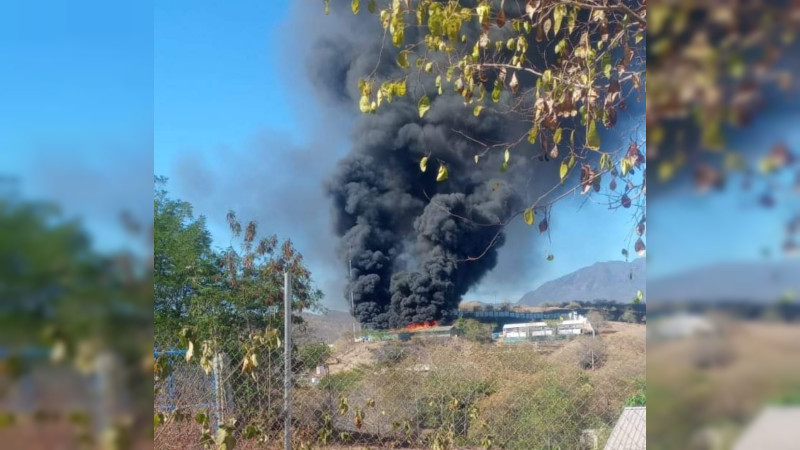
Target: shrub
(475,331)
(639,399)
(629,316)
(312,355)
(592,353)
(391,353)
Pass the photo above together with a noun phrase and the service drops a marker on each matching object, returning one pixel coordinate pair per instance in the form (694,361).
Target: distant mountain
(611,280)
(759,282)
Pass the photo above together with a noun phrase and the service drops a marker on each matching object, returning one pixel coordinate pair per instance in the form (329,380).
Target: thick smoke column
(409,237)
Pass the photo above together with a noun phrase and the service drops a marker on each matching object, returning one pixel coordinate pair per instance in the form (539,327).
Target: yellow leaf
(557,136)
(564,169)
(625,165)
(355,5)
(423,163)
(442,175)
(506,155)
(190,351)
(533,134)
(477,111)
(424,105)
(529,217)
(364,104)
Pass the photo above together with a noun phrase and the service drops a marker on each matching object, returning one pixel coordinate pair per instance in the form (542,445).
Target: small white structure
(680,326)
(526,330)
(575,324)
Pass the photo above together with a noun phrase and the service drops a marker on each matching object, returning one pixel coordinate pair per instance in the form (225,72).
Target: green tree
(473,330)
(183,261)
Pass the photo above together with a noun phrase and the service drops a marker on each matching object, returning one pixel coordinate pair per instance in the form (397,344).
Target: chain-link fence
(53,404)
(428,388)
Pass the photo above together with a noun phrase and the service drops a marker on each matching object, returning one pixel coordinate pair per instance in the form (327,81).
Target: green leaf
(592,137)
(504,166)
(201,418)
(498,87)
(251,431)
(557,136)
(529,217)
(442,175)
(423,163)
(355,5)
(402,59)
(639,297)
(371,6)
(477,111)
(607,65)
(423,106)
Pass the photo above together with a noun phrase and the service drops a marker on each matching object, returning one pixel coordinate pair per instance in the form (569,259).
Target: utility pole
(287,361)
(350,279)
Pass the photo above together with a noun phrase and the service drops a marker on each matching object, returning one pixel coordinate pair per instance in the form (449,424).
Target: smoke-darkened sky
(254,110)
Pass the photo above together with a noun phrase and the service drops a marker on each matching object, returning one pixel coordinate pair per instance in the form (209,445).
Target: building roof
(524,325)
(630,431)
(776,428)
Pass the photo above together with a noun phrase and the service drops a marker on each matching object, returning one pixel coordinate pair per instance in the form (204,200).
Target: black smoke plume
(416,245)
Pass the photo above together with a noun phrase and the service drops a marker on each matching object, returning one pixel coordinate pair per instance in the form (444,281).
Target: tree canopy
(238,289)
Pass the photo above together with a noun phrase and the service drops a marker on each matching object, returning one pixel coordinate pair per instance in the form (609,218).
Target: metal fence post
(287,361)
(223,393)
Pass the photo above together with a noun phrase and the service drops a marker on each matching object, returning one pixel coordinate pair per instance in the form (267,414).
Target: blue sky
(77,109)
(688,230)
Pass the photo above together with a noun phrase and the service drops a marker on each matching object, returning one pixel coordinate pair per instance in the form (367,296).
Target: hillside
(611,280)
(752,282)
(327,327)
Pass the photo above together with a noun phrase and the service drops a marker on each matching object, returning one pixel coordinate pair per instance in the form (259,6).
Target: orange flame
(423,325)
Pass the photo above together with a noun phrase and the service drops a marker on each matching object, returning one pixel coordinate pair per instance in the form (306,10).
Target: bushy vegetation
(312,355)
(473,330)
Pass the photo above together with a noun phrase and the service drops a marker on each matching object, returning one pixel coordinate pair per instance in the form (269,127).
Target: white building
(574,325)
(526,330)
